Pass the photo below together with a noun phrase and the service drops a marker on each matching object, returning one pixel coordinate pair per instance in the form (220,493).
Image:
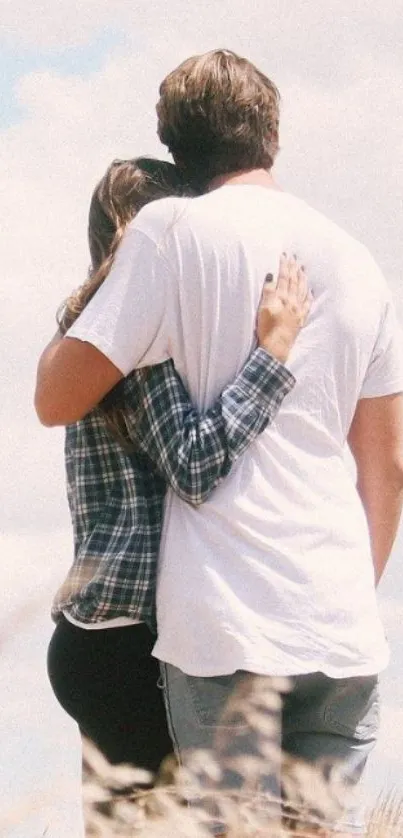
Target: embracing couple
(209,395)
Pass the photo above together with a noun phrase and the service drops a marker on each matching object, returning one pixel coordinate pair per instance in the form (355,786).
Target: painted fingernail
(269,278)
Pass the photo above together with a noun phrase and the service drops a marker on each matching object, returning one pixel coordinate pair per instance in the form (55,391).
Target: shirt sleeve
(127,318)
(384,375)
(194,452)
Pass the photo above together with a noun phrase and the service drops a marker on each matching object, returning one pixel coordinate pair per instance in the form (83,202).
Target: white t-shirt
(273,574)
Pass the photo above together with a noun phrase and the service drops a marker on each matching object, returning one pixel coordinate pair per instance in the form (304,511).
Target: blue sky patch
(77,60)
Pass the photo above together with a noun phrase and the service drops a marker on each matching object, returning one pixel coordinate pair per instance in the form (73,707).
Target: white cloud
(323,38)
(346,156)
(36,564)
(41,761)
(53,24)
(40,767)
(391,608)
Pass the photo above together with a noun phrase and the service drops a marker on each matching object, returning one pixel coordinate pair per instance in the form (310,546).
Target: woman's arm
(194,452)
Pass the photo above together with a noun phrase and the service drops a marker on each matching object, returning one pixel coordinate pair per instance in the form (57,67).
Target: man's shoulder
(321,221)
(158,216)
(338,241)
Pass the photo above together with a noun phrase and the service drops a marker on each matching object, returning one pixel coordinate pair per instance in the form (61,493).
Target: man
(275,574)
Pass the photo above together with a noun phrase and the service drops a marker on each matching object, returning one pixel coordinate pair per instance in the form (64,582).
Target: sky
(78,86)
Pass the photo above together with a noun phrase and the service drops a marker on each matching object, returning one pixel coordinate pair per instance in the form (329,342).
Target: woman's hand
(283,309)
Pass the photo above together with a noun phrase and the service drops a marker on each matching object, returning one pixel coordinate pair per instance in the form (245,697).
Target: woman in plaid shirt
(119,460)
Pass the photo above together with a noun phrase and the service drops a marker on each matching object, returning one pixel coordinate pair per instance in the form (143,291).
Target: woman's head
(125,188)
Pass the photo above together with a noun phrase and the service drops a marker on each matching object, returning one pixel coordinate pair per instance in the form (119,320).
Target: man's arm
(376,442)
(73,376)
(194,452)
(121,328)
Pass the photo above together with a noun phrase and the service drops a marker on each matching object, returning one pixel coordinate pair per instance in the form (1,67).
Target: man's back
(274,573)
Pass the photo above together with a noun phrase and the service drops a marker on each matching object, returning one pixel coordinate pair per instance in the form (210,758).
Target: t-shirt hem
(276,671)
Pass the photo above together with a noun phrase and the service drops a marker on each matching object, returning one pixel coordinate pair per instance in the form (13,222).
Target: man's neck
(253,177)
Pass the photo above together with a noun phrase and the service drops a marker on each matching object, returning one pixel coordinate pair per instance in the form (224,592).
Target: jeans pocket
(353,708)
(210,697)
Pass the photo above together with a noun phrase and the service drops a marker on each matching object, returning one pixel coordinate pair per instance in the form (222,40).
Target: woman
(119,460)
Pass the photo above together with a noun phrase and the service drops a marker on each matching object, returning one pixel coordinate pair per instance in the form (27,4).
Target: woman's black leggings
(107,680)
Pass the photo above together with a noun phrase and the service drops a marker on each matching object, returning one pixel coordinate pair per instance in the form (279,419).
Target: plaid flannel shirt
(116,498)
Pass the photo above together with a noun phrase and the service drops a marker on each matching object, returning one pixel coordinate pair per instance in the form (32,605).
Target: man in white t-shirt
(275,574)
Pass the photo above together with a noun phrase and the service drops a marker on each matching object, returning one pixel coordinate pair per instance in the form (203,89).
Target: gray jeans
(259,730)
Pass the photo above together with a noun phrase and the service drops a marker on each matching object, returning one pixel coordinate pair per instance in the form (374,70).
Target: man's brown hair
(217,113)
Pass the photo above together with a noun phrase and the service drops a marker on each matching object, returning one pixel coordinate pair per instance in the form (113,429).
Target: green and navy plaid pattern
(116,498)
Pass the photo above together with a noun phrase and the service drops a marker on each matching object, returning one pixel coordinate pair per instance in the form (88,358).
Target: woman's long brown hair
(125,188)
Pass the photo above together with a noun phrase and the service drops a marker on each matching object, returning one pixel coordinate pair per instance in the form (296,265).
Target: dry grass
(118,804)
(116,808)
(386,817)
